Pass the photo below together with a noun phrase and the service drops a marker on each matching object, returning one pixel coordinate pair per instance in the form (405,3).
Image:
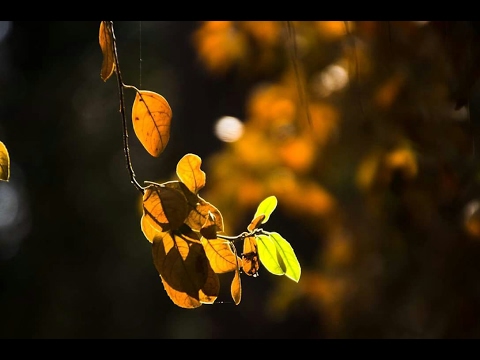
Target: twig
(121,86)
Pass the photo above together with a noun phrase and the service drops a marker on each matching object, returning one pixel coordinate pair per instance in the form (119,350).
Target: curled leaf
(105,39)
(250,264)
(189,172)
(151,116)
(4,163)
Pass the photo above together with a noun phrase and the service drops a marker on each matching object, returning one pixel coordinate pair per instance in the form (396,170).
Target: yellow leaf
(164,208)
(151,116)
(4,163)
(188,171)
(105,38)
(148,230)
(250,264)
(219,253)
(185,271)
(236,288)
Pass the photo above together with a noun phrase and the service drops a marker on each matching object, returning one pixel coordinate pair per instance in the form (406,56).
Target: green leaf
(266,208)
(268,255)
(290,262)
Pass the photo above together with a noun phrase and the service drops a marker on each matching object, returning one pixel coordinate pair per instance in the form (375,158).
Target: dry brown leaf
(105,38)
(236,288)
(189,172)
(151,116)
(4,163)
(164,208)
(250,264)
(185,271)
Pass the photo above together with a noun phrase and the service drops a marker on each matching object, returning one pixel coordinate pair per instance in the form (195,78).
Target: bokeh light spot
(228,129)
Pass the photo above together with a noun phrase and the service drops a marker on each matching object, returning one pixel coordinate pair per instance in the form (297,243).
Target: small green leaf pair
(274,252)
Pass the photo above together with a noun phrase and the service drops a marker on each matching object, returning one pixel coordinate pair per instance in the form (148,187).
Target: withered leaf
(189,172)
(250,264)
(4,163)
(164,208)
(105,38)
(236,288)
(151,116)
(220,254)
(185,271)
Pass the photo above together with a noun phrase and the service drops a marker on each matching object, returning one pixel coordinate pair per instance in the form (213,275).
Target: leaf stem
(121,86)
(243,235)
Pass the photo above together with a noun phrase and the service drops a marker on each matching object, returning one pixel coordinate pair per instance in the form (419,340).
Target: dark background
(73,260)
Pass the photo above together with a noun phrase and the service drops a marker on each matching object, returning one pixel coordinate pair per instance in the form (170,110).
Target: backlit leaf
(165,208)
(266,208)
(185,271)
(219,252)
(148,230)
(236,288)
(105,38)
(250,264)
(268,255)
(189,172)
(4,163)
(290,262)
(151,116)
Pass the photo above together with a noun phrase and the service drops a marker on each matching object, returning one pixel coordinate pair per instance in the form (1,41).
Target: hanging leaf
(266,208)
(289,263)
(164,207)
(105,38)
(189,172)
(4,163)
(268,255)
(151,116)
(250,264)
(185,271)
(236,288)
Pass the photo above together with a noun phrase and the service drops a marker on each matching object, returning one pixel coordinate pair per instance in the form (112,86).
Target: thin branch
(121,86)
(243,235)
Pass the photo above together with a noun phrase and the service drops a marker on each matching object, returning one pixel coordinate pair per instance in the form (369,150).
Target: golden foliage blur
(373,171)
